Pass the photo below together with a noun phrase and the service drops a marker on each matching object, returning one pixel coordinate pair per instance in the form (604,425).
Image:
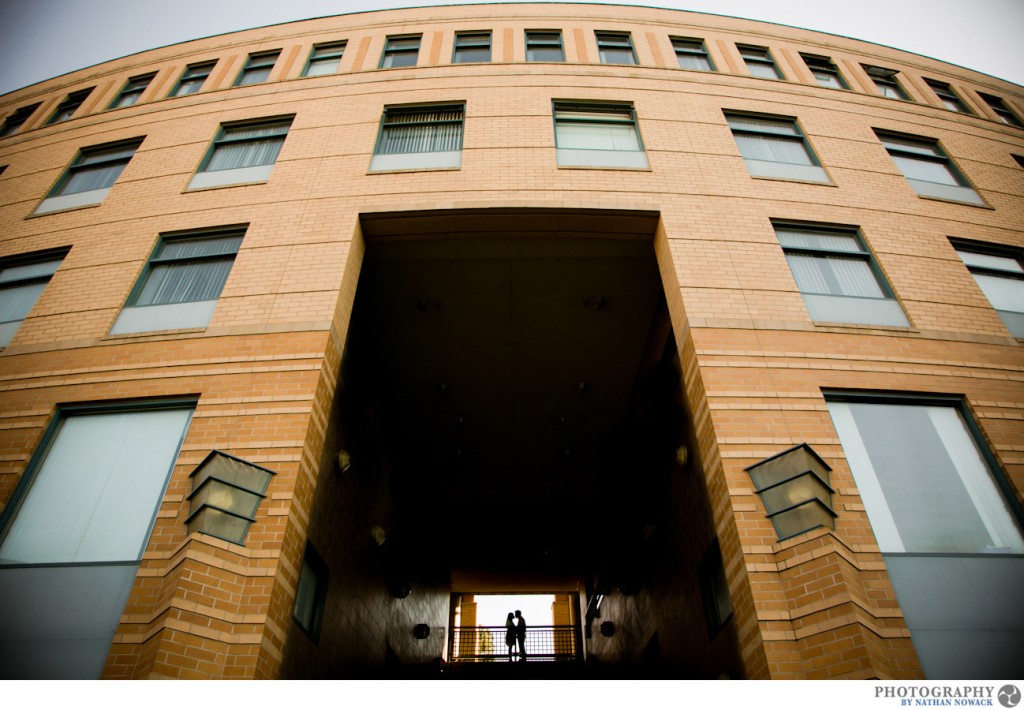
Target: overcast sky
(40,39)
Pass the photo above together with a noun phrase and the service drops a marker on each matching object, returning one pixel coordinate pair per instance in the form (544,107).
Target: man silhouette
(521,634)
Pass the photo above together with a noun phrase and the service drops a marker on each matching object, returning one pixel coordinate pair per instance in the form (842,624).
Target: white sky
(493,609)
(40,39)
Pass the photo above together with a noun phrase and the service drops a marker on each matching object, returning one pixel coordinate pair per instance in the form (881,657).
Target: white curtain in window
(424,137)
(185,282)
(17,301)
(94,496)
(255,76)
(92,178)
(254,151)
(1005,294)
(834,276)
(925,170)
(818,240)
(597,136)
(761,70)
(772,149)
(693,61)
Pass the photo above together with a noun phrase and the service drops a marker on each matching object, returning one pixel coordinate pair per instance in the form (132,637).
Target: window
(419,137)
(615,48)
(242,153)
(691,54)
(90,176)
(1001,110)
(324,59)
(181,283)
(825,72)
(999,273)
(597,135)
(193,78)
(311,594)
(759,62)
(927,168)
(714,590)
(1019,159)
(257,68)
(886,83)
(472,47)
(131,91)
(69,105)
(22,280)
(837,277)
(925,480)
(947,96)
(400,52)
(774,147)
(544,46)
(16,120)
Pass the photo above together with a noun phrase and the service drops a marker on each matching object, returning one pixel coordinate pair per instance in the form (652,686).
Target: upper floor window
(544,46)
(999,273)
(181,283)
(16,120)
(22,280)
(597,135)
(774,146)
(324,59)
(886,83)
(243,152)
(1001,110)
(615,48)
(927,168)
(69,105)
(837,276)
(311,594)
(947,96)
(132,91)
(400,52)
(471,47)
(90,176)
(419,137)
(759,62)
(257,68)
(692,54)
(1018,158)
(193,78)
(825,72)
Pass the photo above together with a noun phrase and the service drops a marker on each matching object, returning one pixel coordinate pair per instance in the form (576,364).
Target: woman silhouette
(510,634)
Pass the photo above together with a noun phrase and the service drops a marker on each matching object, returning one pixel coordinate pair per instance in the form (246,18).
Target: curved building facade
(316,334)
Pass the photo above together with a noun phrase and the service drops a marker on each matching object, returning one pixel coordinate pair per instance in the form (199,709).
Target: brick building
(709,327)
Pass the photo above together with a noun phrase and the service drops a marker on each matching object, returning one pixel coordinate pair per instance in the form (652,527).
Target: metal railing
(486,644)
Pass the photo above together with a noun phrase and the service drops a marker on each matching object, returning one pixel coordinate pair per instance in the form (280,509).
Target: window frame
(190,74)
(315,563)
(948,97)
(8,329)
(714,589)
(1013,320)
(963,192)
(1002,111)
(696,48)
(884,79)
(72,101)
(257,61)
(245,175)
(870,311)
(770,169)
(598,157)
(762,56)
(539,44)
(463,43)
(388,54)
(57,199)
(17,118)
(817,63)
(419,160)
(132,91)
(615,41)
(332,52)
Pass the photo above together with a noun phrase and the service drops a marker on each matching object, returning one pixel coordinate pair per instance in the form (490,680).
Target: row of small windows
(541,46)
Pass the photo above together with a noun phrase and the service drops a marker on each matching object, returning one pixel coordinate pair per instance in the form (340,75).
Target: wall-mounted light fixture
(344,460)
(607,629)
(421,631)
(794,486)
(226,491)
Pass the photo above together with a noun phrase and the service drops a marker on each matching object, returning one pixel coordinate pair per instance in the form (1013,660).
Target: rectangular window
(242,153)
(999,272)
(22,280)
(927,168)
(886,82)
(472,47)
(90,176)
(69,105)
(193,78)
(14,122)
(131,91)
(597,135)
(947,96)
(311,594)
(759,62)
(837,277)
(692,54)
(1001,110)
(714,590)
(257,68)
(544,46)
(324,59)
(181,283)
(774,146)
(615,48)
(400,52)
(419,137)
(825,72)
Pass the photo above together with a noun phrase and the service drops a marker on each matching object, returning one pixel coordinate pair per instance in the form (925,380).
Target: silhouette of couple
(515,632)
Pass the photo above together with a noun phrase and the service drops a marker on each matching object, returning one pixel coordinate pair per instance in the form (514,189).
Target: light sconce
(421,631)
(607,629)
(344,460)
(795,490)
(226,491)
